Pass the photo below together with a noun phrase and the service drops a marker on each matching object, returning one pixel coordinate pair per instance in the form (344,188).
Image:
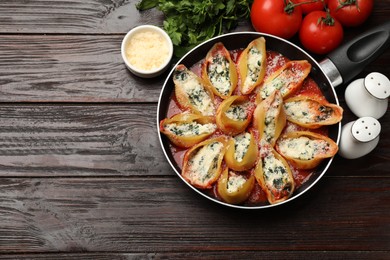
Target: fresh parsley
(189,23)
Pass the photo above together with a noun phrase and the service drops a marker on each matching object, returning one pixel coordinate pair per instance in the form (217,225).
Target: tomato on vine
(278,17)
(350,12)
(320,33)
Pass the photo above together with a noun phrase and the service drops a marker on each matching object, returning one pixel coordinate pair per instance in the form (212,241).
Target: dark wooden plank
(162,215)
(80,140)
(73,16)
(107,140)
(70,69)
(272,255)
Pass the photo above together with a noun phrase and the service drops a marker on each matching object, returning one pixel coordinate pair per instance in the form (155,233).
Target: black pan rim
(162,138)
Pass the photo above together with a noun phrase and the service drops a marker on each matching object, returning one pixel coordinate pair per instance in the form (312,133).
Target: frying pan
(339,67)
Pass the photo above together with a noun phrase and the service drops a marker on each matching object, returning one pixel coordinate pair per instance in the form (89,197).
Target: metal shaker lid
(366,129)
(377,85)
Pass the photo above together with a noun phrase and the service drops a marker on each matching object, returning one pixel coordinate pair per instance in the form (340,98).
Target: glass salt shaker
(368,97)
(359,137)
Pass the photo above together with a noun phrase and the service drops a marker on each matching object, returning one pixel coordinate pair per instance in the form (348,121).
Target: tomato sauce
(274,61)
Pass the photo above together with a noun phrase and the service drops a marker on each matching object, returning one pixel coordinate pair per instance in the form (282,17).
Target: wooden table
(83,175)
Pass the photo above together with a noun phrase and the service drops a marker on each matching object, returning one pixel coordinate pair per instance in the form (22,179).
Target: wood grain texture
(209,255)
(162,215)
(70,69)
(82,174)
(80,141)
(73,16)
(113,140)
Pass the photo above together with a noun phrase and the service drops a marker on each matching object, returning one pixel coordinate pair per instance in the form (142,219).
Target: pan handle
(347,61)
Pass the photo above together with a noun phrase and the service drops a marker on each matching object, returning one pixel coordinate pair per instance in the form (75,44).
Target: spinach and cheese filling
(235,182)
(303,148)
(241,145)
(287,79)
(253,66)
(189,129)
(181,75)
(307,111)
(270,120)
(195,91)
(219,74)
(204,162)
(275,173)
(237,112)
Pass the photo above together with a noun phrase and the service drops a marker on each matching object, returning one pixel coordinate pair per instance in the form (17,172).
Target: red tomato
(320,33)
(350,12)
(312,5)
(277,17)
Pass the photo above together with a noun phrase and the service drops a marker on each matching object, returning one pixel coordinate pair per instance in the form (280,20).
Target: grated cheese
(147,50)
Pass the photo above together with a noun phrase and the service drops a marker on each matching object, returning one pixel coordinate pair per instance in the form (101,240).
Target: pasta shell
(202,164)
(242,152)
(234,188)
(304,149)
(312,113)
(192,92)
(186,129)
(274,175)
(219,71)
(252,65)
(287,79)
(234,115)
(269,118)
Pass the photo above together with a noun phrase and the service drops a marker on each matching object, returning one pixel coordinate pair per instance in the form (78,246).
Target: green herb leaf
(146,4)
(189,23)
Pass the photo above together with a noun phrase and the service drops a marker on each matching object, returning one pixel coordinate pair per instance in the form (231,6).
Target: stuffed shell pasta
(287,79)
(304,149)
(186,129)
(269,118)
(235,187)
(312,113)
(219,71)
(242,152)
(234,115)
(252,65)
(232,123)
(274,175)
(192,92)
(202,163)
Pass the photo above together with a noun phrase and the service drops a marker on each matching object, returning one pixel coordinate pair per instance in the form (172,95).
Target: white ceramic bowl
(146,55)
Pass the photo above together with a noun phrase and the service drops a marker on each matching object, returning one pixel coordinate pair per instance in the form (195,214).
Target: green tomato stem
(346,3)
(328,20)
(289,6)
